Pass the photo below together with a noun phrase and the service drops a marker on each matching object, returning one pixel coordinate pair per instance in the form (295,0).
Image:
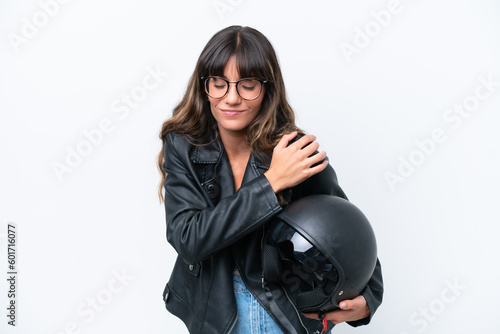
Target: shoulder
(176,151)
(177,143)
(180,146)
(172,138)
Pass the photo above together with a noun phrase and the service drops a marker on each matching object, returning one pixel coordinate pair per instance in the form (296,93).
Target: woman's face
(232,113)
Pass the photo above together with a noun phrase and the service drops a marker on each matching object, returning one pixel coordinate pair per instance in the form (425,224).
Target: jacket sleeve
(373,294)
(326,182)
(195,227)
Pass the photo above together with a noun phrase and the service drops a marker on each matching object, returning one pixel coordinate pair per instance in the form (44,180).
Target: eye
(249,85)
(218,83)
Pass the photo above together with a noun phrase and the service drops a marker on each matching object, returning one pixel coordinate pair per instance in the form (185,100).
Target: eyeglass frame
(205,80)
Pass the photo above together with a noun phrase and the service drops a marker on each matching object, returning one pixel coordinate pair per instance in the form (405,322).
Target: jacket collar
(212,154)
(207,154)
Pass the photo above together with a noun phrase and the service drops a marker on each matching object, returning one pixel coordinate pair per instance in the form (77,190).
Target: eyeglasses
(247,88)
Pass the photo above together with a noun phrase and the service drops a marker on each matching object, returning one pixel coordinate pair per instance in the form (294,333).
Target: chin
(232,129)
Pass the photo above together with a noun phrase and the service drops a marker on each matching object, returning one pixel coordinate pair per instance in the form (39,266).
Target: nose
(232,96)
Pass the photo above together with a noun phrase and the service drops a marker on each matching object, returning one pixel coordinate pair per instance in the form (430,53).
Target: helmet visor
(295,250)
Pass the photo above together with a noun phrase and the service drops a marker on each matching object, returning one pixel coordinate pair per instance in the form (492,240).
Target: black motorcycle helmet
(322,250)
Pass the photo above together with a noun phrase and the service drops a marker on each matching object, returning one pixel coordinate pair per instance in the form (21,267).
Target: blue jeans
(252,317)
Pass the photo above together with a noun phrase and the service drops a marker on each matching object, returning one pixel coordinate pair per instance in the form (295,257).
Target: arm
(197,229)
(373,294)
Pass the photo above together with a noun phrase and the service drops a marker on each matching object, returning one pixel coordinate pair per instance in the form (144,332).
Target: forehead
(231,70)
(240,65)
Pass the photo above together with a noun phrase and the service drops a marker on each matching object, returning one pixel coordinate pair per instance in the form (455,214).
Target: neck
(235,143)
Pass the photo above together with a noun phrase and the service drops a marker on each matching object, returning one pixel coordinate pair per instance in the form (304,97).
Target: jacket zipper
(296,311)
(262,250)
(233,324)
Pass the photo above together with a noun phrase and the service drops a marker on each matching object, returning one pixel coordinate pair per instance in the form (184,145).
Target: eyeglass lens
(248,89)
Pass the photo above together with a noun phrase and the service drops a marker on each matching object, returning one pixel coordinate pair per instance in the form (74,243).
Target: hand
(350,310)
(291,164)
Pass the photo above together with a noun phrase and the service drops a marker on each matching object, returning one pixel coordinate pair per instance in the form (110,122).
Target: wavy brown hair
(255,57)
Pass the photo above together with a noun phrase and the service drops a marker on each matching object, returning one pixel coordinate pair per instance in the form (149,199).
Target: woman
(232,158)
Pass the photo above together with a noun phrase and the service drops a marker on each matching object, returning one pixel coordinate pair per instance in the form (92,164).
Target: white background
(436,227)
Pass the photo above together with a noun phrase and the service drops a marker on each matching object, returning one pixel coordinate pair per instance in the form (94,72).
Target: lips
(231,113)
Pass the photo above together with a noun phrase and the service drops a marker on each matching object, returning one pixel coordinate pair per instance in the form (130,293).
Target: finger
(350,304)
(311,315)
(336,316)
(304,141)
(318,168)
(316,158)
(346,305)
(286,139)
(310,149)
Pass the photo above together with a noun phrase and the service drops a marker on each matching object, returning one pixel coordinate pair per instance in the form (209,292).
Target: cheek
(256,105)
(212,104)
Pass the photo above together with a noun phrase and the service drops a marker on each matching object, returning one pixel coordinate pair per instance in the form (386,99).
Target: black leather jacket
(215,230)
